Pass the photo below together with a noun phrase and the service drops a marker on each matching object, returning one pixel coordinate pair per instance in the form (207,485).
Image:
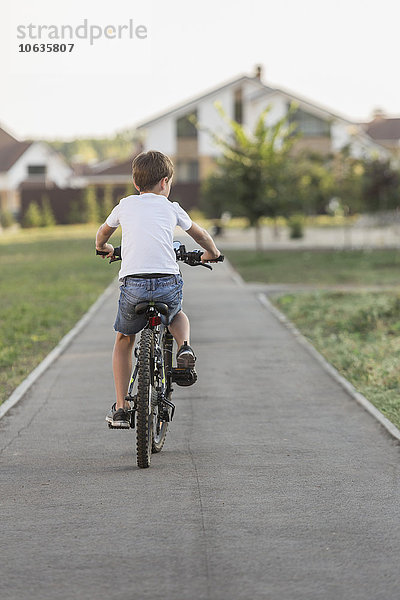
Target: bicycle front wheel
(146,395)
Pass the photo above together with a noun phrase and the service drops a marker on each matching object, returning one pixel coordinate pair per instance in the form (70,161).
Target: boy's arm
(103,235)
(202,237)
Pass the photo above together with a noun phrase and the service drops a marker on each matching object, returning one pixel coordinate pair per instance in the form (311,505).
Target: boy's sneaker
(185,357)
(119,419)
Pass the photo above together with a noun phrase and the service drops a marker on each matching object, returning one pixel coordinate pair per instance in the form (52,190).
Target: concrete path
(273,484)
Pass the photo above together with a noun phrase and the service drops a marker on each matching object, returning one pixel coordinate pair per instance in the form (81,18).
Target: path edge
(62,345)
(334,373)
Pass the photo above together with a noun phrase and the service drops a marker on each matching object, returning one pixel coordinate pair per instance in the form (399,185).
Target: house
(385,131)
(28,164)
(194,153)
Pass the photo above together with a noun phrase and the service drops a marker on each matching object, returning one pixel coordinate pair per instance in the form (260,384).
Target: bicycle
(150,389)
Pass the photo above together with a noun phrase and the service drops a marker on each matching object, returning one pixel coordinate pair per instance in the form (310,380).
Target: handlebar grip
(220,258)
(114,257)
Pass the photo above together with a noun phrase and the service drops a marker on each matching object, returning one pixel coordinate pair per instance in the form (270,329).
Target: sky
(341,54)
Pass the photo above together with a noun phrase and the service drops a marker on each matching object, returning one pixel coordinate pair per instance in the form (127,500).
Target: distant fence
(63,200)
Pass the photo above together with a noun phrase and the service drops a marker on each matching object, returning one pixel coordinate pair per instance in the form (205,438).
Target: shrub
(32,217)
(90,212)
(296,227)
(75,213)
(48,219)
(6,219)
(107,204)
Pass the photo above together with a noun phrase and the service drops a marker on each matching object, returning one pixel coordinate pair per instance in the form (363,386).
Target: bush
(48,219)
(32,217)
(296,227)
(107,204)
(6,219)
(75,213)
(90,209)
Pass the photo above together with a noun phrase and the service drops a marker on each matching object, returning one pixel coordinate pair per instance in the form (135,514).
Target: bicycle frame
(162,366)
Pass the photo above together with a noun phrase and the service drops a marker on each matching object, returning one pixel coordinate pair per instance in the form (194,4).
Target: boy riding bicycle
(149,270)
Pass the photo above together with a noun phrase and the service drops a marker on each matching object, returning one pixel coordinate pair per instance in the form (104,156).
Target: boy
(149,270)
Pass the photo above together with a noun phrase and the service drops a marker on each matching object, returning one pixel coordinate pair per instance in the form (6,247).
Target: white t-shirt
(148,222)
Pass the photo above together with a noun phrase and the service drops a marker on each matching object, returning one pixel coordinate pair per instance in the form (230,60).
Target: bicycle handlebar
(192,258)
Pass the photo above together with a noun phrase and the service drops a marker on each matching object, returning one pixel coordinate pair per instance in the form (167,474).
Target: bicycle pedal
(184,377)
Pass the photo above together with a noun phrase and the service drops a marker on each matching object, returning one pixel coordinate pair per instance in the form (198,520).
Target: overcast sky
(342,54)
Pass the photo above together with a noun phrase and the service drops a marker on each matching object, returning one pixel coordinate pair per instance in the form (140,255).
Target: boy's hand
(106,248)
(206,256)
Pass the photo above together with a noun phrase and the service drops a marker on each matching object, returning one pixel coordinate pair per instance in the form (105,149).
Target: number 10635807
(45,47)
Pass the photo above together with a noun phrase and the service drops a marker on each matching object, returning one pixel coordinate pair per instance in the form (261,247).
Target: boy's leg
(122,366)
(180,329)
(185,357)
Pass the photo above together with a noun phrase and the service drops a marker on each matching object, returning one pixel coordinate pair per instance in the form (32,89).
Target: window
(187,171)
(310,125)
(37,169)
(185,128)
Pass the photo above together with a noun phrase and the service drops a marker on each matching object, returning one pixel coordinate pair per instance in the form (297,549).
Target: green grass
(48,280)
(360,335)
(351,267)
(358,332)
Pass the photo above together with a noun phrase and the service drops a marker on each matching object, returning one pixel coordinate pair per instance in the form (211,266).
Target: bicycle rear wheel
(145,399)
(162,417)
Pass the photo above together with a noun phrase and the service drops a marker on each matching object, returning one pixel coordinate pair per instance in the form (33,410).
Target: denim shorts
(135,290)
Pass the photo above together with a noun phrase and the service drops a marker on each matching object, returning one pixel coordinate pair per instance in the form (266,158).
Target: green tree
(348,173)
(380,186)
(75,213)
(90,209)
(219,194)
(48,219)
(107,204)
(32,216)
(314,183)
(6,219)
(259,167)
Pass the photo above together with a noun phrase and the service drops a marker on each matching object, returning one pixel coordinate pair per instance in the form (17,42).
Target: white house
(243,99)
(28,163)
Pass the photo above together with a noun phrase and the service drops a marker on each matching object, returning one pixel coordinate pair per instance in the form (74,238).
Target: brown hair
(148,168)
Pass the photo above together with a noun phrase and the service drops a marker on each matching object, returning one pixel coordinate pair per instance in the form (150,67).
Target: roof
(302,100)
(11,152)
(383,128)
(120,168)
(188,103)
(6,138)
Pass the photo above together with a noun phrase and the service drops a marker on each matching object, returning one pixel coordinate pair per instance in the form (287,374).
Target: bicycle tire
(144,409)
(160,427)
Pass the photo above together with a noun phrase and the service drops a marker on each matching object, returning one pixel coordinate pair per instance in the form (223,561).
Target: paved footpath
(273,484)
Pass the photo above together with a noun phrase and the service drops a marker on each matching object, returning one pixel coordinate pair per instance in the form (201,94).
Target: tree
(314,183)
(6,219)
(219,194)
(107,204)
(32,217)
(259,167)
(90,212)
(381,186)
(348,173)
(47,216)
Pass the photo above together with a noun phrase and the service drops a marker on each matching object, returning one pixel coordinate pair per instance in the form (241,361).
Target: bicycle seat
(144,306)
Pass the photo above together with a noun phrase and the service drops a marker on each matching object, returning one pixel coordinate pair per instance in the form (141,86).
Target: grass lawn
(49,278)
(358,333)
(356,267)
